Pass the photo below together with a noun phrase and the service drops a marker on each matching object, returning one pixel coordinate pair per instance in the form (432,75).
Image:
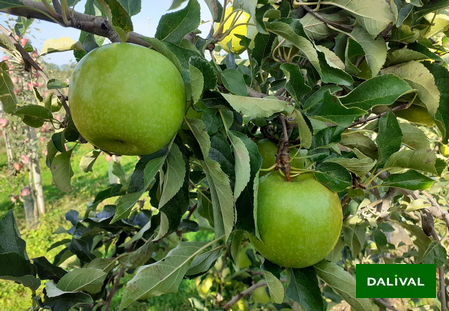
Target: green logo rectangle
(395,281)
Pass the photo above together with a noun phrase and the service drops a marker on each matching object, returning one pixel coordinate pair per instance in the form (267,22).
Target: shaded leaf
(342,283)
(304,289)
(83,279)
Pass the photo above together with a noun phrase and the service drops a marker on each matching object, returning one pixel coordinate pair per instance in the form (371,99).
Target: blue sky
(144,23)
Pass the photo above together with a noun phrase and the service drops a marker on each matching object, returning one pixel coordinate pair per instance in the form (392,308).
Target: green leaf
(174,26)
(441,75)
(133,7)
(435,254)
(413,137)
(389,137)
(196,83)
(330,109)
(295,81)
(331,74)
(305,134)
(174,175)
(374,17)
(61,44)
(120,17)
(421,240)
(176,4)
(354,237)
(208,72)
(404,55)
(204,262)
(419,78)
(11,241)
(256,107)
(66,302)
(62,172)
(333,175)
(138,257)
(56,84)
(47,270)
(380,90)
(163,276)
(275,287)
(88,160)
(343,284)
(234,82)
(305,46)
(304,289)
(220,188)
(316,29)
(360,167)
(420,159)
(242,164)
(35,111)
(411,180)
(83,279)
(358,141)
(7,95)
(125,204)
(375,49)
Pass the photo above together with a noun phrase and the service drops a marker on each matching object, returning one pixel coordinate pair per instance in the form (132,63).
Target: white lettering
(371,281)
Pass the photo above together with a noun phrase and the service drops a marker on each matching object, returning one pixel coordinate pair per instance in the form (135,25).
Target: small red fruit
(23,41)
(3,123)
(18,166)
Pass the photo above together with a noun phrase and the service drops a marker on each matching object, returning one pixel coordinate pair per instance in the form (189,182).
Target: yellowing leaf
(419,78)
(58,45)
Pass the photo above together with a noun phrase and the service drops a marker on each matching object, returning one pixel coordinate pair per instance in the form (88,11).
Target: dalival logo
(396,281)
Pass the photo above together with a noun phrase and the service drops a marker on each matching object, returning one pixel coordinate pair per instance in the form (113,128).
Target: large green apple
(299,221)
(127,99)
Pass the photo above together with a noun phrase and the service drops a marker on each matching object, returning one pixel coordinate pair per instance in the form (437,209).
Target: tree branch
(324,20)
(362,121)
(240,295)
(29,61)
(385,304)
(93,24)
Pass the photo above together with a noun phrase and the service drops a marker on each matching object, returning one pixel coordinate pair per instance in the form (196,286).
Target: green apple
(299,221)
(268,150)
(260,296)
(127,99)
(444,149)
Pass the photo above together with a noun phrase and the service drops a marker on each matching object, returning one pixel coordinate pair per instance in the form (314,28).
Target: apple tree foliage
(326,77)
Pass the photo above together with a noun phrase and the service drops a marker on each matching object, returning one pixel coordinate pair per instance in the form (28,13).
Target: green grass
(84,185)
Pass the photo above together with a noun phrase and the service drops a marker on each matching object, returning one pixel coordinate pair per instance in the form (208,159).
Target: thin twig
(362,121)
(324,20)
(241,295)
(114,288)
(385,304)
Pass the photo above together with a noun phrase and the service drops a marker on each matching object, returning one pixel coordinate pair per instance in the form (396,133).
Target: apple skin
(127,99)
(299,221)
(244,30)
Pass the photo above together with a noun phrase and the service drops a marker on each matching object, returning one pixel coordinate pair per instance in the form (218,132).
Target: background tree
(359,94)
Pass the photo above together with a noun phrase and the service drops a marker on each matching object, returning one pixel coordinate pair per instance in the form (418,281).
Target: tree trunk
(8,146)
(36,170)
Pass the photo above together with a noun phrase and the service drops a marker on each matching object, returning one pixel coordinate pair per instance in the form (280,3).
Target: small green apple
(127,99)
(268,150)
(444,149)
(260,296)
(299,221)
